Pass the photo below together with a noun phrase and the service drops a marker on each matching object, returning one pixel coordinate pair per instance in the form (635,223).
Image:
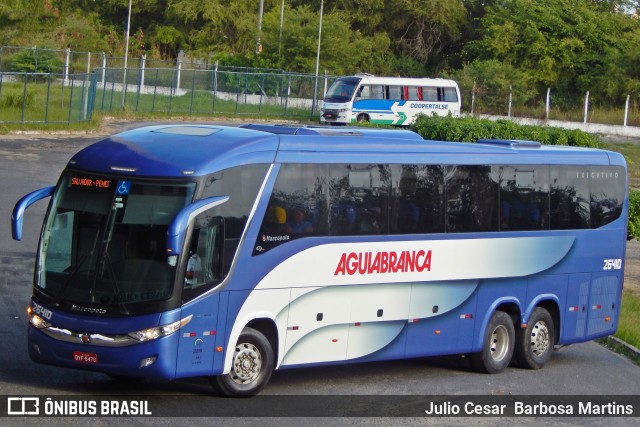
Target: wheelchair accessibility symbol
(123,187)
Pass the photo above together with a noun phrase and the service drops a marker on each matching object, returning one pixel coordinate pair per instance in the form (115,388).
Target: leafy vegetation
(634,214)
(32,61)
(470,129)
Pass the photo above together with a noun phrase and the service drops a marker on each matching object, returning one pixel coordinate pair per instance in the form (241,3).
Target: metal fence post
(510,99)
(92,94)
(104,68)
(70,101)
(24,98)
(547,104)
(46,107)
(586,107)
(473,96)
(66,66)
(179,69)
(143,64)
(626,110)
(214,83)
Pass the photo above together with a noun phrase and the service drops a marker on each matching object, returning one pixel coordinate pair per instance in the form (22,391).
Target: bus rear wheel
(534,344)
(499,343)
(251,367)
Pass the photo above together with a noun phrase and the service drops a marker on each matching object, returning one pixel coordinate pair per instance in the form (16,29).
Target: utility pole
(258,42)
(315,86)
(126,56)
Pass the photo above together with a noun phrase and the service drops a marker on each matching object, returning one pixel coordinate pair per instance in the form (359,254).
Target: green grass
(632,153)
(48,105)
(44,101)
(628,329)
(196,104)
(607,116)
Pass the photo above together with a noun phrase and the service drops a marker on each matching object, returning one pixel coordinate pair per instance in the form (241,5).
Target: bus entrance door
(196,347)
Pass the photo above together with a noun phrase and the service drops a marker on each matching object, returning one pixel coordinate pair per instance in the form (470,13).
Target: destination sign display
(88,182)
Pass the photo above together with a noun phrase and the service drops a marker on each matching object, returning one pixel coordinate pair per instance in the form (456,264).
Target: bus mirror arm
(18,211)
(179,225)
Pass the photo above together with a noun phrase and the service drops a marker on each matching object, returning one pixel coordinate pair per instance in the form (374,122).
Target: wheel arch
(550,303)
(363,117)
(509,305)
(268,328)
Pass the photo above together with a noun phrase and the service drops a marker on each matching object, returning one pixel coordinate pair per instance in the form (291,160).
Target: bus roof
(196,149)
(406,81)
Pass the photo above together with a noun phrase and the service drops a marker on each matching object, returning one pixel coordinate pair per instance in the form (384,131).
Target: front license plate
(82,357)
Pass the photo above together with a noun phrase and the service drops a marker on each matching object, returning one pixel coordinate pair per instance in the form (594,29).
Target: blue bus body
(334,295)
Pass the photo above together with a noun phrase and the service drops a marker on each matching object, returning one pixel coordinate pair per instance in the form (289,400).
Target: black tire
(499,342)
(251,368)
(534,344)
(362,118)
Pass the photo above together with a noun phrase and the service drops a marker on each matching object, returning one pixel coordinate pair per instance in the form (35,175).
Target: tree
(342,50)
(219,26)
(423,29)
(563,44)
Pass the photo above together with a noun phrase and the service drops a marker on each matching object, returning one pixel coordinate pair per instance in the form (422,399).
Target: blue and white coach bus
(192,250)
(388,100)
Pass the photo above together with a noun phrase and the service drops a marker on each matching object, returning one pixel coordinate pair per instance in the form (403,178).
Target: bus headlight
(38,322)
(159,331)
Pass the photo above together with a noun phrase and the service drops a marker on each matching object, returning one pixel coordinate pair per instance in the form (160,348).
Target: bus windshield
(342,90)
(104,244)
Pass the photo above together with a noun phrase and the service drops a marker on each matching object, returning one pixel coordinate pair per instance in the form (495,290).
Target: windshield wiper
(72,274)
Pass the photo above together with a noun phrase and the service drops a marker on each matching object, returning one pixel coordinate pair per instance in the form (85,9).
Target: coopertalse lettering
(353,263)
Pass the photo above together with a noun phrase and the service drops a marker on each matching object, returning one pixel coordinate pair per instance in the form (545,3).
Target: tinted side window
(607,194)
(471,198)
(417,202)
(450,94)
(377,92)
(414,93)
(242,185)
(395,92)
(430,94)
(297,207)
(524,198)
(570,197)
(358,199)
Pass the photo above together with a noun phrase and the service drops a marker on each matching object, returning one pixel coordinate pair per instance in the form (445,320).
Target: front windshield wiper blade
(105,260)
(72,274)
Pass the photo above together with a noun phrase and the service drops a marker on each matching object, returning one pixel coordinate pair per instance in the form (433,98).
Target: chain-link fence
(209,91)
(592,107)
(46,97)
(201,86)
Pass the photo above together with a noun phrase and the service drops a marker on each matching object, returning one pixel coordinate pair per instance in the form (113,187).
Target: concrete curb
(626,345)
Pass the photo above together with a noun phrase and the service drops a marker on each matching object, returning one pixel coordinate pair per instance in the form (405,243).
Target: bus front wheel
(251,367)
(534,344)
(362,118)
(497,350)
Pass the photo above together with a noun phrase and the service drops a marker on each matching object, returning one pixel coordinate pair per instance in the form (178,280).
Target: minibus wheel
(251,367)
(498,346)
(534,344)
(362,118)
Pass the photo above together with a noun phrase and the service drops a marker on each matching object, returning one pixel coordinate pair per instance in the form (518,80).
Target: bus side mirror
(22,205)
(178,227)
